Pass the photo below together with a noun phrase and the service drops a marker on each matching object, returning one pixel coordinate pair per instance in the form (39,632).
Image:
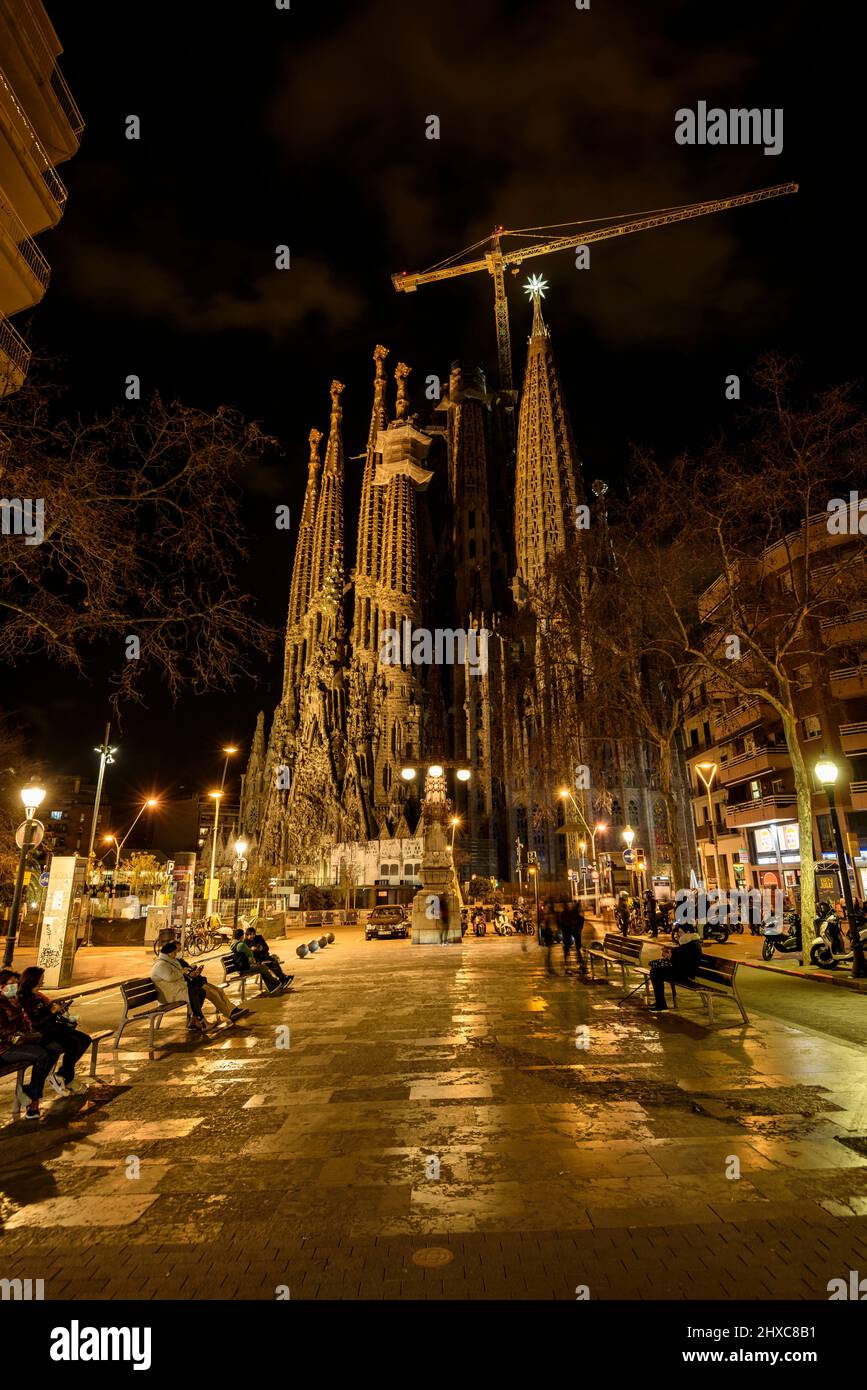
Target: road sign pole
(26,842)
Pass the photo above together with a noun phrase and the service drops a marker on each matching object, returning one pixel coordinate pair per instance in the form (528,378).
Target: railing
(843,618)
(749,709)
(845,673)
(47,58)
(51,178)
(13,346)
(853,730)
(781,801)
(27,247)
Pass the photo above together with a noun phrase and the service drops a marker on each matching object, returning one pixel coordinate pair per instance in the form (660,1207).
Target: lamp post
(32,797)
(240,851)
(106,755)
(438,876)
(520,868)
(582,865)
(711,770)
(826,775)
(119,844)
(217,796)
(455,822)
(629,837)
(533,871)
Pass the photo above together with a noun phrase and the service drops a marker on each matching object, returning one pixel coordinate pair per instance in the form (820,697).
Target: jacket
(13,1020)
(686,959)
(168,976)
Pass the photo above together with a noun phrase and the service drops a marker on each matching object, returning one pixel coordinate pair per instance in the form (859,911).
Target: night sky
(307,127)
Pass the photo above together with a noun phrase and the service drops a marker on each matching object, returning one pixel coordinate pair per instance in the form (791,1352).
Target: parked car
(387,921)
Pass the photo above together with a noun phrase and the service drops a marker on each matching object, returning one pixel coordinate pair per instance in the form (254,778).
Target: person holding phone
(52,1021)
(19,1043)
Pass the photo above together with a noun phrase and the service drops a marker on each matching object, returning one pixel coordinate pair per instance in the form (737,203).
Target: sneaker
(57,1084)
(32,1111)
(658,1008)
(76,1087)
(238,1012)
(21,1096)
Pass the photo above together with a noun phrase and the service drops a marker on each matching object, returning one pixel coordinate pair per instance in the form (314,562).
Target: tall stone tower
(542,740)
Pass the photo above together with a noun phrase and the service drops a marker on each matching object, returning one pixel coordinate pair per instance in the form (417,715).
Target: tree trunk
(803,791)
(670,814)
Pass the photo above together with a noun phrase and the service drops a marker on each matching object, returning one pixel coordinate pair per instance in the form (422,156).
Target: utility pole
(106,756)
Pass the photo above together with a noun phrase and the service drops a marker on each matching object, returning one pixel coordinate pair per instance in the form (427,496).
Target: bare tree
(134,540)
(755,506)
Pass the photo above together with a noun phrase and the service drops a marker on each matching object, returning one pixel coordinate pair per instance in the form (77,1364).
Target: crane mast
(495,259)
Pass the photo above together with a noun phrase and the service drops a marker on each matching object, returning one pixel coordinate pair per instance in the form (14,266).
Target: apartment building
(40,127)
(746,820)
(67,814)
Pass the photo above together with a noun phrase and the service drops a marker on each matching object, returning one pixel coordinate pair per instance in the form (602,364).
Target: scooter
(829,947)
(776,937)
(502,925)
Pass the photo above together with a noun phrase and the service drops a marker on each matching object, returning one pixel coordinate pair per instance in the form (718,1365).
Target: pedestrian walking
(444,920)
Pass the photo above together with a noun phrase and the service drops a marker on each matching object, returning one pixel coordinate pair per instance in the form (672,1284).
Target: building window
(812,726)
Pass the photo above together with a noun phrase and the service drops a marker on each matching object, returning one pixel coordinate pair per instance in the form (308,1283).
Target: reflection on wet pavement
(437,1098)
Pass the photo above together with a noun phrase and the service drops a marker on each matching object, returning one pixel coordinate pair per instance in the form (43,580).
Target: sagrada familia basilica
(460,515)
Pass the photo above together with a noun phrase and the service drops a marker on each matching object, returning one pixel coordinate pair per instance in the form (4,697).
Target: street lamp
(229,750)
(826,775)
(455,821)
(240,851)
(711,770)
(119,844)
(32,797)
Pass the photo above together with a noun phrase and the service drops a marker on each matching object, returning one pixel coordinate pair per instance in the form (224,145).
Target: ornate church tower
(542,737)
(400,475)
(363,714)
(547,472)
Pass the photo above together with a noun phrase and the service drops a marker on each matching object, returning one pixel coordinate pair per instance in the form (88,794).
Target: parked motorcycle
(829,948)
(502,925)
(781,936)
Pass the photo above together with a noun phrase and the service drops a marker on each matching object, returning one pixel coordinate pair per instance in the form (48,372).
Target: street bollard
(301,951)
(323,941)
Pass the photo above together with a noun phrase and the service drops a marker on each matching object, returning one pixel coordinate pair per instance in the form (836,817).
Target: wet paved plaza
(432,1130)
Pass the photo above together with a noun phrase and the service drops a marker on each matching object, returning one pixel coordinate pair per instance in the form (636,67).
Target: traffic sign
(628,858)
(36,835)
(43,879)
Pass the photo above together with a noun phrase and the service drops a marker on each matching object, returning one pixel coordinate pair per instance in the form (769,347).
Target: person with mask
(53,1025)
(20,1045)
(264,956)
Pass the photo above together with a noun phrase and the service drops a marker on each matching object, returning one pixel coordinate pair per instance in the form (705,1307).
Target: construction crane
(494,259)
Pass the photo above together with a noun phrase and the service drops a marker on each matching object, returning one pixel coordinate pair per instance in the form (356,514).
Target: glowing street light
(827,773)
(240,851)
(229,749)
(32,797)
(707,772)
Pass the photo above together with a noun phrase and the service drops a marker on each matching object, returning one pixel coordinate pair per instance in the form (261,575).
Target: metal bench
(141,1001)
(232,974)
(17,1070)
(624,951)
(716,976)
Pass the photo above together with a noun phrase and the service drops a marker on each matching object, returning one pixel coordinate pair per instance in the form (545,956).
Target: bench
(624,951)
(716,976)
(17,1070)
(232,974)
(141,1001)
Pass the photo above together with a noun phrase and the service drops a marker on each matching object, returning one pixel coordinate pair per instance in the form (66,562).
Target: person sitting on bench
(245,960)
(53,1024)
(678,963)
(259,946)
(20,1045)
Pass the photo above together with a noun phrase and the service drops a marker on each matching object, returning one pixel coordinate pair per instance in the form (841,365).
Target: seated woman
(19,1044)
(180,983)
(53,1024)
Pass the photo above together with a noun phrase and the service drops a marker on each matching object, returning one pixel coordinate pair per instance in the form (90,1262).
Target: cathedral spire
(370,514)
(547,470)
(328,542)
(401,372)
(299,593)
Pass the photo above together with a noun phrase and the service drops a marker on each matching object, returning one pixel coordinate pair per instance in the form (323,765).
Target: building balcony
(853,738)
(24,271)
(849,627)
(742,717)
(27,171)
(849,682)
(858,791)
(30,50)
(747,765)
(782,806)
(14,359)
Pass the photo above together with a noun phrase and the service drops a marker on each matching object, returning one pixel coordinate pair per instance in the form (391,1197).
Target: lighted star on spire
(536,287)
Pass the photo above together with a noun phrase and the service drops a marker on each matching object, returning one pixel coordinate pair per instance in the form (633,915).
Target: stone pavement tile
(90,1212)
(643,1216)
